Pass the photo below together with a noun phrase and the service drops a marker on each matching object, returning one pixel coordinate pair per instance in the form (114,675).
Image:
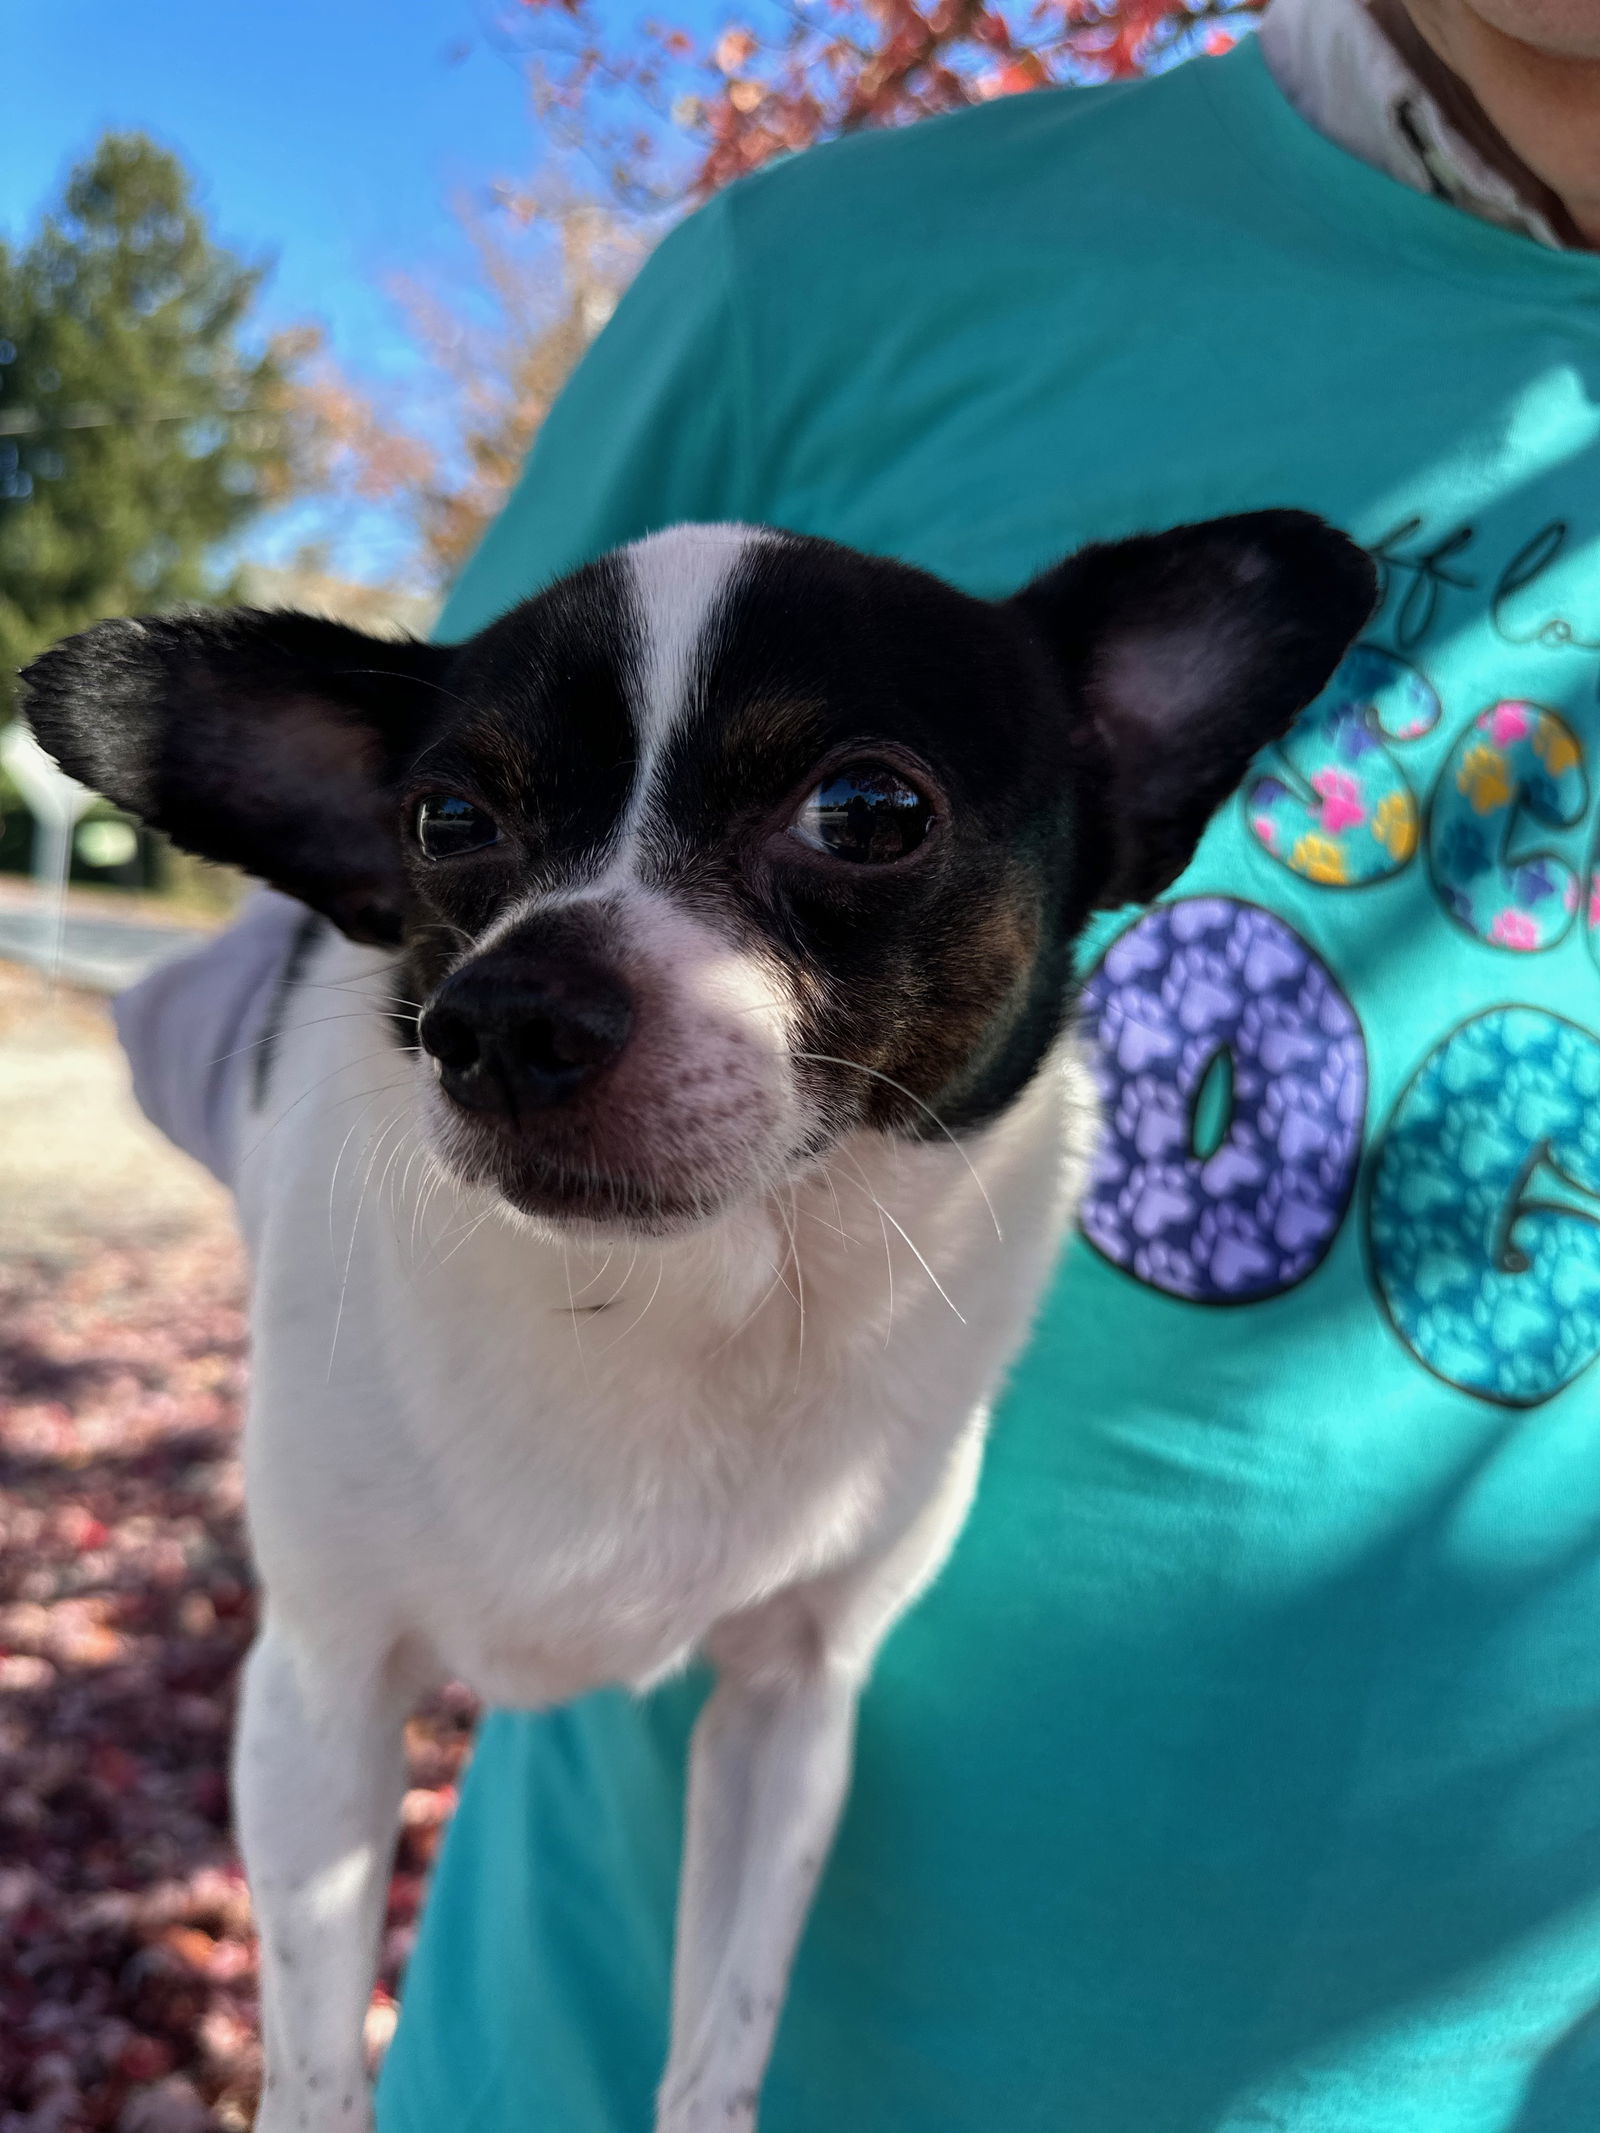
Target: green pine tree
(139,426)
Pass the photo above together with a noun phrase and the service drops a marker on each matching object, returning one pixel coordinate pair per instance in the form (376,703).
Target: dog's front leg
(318,1774)
(768,1774)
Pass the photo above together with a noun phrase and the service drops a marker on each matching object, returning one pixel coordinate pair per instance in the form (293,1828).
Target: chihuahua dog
(696,955)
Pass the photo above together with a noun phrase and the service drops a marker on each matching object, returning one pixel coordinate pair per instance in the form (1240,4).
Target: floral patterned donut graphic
(1484,1219)
(1203,998)
(1515,760)
(1337,808)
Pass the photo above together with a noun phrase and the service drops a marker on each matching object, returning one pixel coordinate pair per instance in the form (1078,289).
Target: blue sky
(329,134)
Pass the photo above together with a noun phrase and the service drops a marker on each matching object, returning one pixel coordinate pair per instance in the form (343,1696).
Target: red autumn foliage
(127,1961)
(650,120)
(806,70)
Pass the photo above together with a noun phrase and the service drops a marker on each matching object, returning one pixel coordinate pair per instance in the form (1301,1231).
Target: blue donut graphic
(1484,1217)
(1332,803)
(1233,1076)
(1516,765)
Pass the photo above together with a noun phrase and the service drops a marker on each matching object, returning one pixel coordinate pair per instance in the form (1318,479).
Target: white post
(56,802)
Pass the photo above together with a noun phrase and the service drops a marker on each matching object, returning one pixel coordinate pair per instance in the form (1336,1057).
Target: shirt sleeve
(192,1029)
(649,432)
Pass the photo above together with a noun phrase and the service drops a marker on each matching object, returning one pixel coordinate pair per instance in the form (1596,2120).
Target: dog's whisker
(436,1182)
(800,1285)
(751,1315)
(345,1066)
(888,1253)
(426,681)
(435,1179)
(661,1268)
(355,1225)
(433,1254)
(572,1312)
(456,1234)
(784,1258)
(838,1211)
(600,1276)
(402,1197)
(374,1147)
(446,925)
(830,1059)
(441,1185)
(275,1036)
(807,1214)
(928,1270)
(333,1180)
(385,1182)
(467,1236)
(358,989)
(404,1193)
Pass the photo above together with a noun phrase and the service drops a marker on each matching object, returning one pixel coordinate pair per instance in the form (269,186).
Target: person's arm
(648,432)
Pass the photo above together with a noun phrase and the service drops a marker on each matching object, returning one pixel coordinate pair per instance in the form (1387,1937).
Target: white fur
(677,582)
(676,579)
(761,1448)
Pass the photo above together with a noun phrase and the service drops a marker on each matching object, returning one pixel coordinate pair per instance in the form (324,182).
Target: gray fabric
(193,1029)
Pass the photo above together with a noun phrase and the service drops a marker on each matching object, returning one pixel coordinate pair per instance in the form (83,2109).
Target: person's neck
(1532,112)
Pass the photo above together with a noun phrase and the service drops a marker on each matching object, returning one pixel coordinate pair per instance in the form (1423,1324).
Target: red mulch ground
(127,1964)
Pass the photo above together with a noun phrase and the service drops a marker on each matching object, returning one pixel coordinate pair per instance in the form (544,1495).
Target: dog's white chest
(552,1495)
(612,1533)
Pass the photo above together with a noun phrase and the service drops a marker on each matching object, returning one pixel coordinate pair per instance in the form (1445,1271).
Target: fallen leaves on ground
(127,1962)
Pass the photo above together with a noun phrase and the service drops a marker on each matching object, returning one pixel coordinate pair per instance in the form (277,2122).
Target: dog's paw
(696,2103)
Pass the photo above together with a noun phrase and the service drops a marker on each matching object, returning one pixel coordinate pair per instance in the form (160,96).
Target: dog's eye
(447,825)
(865,813)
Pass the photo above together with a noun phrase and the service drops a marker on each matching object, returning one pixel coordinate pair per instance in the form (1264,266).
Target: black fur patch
(267,741)
(541,735)
(949,974)
(1189,650)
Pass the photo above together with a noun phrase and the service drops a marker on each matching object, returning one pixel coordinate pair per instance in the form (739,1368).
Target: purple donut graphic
(1233,1076)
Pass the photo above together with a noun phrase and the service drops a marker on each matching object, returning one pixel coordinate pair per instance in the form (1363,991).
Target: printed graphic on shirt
(1232,1065)
(1483,1224)
(1233,1077)
(1517,767)
(1334,804)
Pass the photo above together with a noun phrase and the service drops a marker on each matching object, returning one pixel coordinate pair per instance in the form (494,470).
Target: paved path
(99,949)
(79,1165)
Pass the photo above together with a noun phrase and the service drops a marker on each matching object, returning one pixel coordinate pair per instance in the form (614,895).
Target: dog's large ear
(269,741)
(1189,651)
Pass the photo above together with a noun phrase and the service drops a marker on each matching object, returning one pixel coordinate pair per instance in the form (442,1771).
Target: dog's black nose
(516,1036)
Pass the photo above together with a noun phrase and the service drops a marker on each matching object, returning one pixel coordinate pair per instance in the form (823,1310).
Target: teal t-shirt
(1243,1769)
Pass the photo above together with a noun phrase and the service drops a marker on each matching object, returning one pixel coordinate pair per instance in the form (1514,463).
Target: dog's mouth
(550,1191)
(567,1179)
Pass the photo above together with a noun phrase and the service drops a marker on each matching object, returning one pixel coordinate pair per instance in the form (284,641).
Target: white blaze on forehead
(678,579)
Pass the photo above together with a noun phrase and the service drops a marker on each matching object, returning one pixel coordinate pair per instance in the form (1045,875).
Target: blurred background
(285,294)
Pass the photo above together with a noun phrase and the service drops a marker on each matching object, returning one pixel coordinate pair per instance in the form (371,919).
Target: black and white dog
(698,987)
